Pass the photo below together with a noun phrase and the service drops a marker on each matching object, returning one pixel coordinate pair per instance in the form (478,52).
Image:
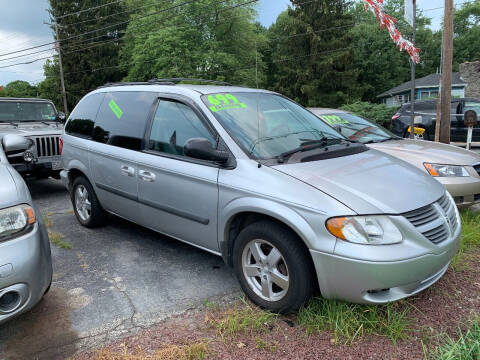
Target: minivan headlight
(368,230)
(438,170)
(15,219)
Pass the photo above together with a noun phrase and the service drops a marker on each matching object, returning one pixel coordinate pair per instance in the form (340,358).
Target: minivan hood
(420,151)
(8,188)
(369,183)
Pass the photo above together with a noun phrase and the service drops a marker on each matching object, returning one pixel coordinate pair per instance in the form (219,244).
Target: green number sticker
(334,119)
(224,102)
(115,108)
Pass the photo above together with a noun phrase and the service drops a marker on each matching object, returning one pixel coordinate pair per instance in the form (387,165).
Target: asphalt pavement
(115,280)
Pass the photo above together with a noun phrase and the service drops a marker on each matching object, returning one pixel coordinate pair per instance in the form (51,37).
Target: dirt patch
(440,309)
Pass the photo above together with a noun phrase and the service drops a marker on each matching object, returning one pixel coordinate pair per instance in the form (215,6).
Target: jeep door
(178,195)
(115,155)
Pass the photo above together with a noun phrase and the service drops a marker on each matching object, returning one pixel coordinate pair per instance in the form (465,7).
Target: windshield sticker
(334,119)
(224,102)
(115,108)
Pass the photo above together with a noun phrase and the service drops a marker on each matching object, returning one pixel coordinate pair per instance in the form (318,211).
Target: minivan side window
(122,118)
(82,118)
(173,125)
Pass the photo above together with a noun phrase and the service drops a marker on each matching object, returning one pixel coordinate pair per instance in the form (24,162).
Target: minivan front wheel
(273,267)
(86,206)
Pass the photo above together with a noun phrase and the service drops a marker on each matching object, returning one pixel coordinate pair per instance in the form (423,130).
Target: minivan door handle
(146,176)
(127,170)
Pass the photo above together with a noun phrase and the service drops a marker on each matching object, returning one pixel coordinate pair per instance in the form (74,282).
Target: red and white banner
(388,22)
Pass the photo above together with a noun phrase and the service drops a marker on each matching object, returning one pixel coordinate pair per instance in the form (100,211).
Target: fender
(267,207)
(78,165)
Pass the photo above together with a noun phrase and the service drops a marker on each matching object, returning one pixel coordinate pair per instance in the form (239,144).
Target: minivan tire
(295,263)
(98,216)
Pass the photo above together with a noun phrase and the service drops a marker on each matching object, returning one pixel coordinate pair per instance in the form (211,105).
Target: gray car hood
(8,189)
(369,183)
(31,128)
(420,151)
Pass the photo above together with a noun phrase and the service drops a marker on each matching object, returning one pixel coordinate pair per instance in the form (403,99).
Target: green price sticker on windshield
(334,119)
(115,108)
(224,102)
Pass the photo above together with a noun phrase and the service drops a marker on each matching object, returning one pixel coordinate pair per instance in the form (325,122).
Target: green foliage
(466,347)
(309,62)
(467,33)
(19,89)
(204,39)
(353,321)
(378,113)
(470,236)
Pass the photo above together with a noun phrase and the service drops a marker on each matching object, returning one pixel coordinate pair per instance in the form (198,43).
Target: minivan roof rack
(179,80)
(136,83)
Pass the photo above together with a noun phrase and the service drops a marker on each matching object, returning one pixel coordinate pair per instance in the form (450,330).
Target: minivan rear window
(82,118)
(122,118)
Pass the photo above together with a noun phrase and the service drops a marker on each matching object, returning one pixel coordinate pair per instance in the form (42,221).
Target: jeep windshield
(269,126)
(23,111)
(357,128)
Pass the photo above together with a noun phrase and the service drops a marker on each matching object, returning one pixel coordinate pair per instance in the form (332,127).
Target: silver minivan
(251,176)
(25,258)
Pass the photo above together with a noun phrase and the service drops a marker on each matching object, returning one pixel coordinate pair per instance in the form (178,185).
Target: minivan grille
(47,145)
(436,221)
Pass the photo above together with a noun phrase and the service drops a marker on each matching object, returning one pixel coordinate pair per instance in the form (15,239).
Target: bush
(378,113)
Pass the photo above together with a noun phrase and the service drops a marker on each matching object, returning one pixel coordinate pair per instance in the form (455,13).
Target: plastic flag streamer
(388,22)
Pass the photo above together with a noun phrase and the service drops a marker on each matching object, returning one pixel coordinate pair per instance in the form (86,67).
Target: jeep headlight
(15,220)
(367,230)
(438,170)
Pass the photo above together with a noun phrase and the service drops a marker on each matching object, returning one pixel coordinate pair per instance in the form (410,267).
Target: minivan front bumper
(377,282)
(25,271)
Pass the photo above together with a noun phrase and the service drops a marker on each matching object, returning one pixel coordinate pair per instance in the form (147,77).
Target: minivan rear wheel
(86,206)
(273,267)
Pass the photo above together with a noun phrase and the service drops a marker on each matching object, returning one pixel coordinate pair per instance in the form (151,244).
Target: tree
(204,39)
(466,23)
(20,89)
(89,53)
(50,88)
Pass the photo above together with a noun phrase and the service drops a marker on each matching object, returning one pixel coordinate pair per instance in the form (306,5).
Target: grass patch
(352,321)
(466,347)
(196,351)
(470,235)
(48,222)
(241,318)
(56,238)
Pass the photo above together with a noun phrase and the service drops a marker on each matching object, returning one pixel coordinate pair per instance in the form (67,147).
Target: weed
(264,345)
(209,304)
(466,347)
(48,222)
(470,237)
(242,318)
(351,321)
(56,238)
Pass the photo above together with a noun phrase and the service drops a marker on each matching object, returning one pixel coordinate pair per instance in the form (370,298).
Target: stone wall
(470,73)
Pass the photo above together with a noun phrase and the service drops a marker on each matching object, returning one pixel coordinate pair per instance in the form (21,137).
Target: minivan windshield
(357,128)
(20,111)
(268,125)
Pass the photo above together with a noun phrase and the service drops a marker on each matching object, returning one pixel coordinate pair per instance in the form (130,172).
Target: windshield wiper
(9,122)
(379,141)
(308,145)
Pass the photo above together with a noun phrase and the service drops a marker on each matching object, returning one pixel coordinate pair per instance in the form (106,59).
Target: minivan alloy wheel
(265,270)
(82,203)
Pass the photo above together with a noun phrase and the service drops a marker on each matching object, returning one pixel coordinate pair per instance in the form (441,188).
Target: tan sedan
(456,168)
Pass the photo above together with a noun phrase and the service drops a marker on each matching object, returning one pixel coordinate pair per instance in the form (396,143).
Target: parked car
(454,167)
(25,259)
(251,176)
(38,121)
(426,115)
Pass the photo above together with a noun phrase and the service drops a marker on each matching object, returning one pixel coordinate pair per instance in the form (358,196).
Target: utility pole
(62,81)
(439,97)
(447,59)
(412,70)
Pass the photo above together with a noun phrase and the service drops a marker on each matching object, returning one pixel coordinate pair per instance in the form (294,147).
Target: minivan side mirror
(201,148)
(15,143)
(61,117)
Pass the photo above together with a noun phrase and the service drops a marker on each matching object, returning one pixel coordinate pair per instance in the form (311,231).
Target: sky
(22,26)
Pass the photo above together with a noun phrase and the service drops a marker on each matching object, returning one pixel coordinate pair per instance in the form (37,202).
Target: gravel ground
(440,309)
